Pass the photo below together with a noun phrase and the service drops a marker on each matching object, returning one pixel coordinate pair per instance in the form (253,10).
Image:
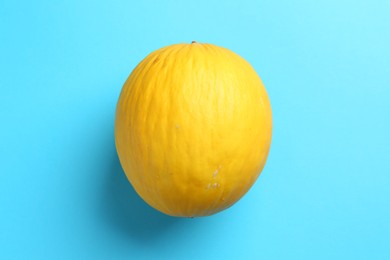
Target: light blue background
(325,191)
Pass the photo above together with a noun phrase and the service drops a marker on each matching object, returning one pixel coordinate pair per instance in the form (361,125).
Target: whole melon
(193,129)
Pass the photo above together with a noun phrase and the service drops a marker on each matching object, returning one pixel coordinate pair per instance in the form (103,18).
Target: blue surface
(325,191)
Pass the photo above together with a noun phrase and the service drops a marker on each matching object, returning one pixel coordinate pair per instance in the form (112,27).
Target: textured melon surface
(193,129)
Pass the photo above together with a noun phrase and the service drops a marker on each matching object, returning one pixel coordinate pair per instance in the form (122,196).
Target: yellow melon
(193,129)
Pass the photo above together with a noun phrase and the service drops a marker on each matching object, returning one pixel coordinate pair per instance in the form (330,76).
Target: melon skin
(193,129)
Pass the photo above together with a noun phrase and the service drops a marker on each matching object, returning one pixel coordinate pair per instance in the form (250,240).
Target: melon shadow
(125,209)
